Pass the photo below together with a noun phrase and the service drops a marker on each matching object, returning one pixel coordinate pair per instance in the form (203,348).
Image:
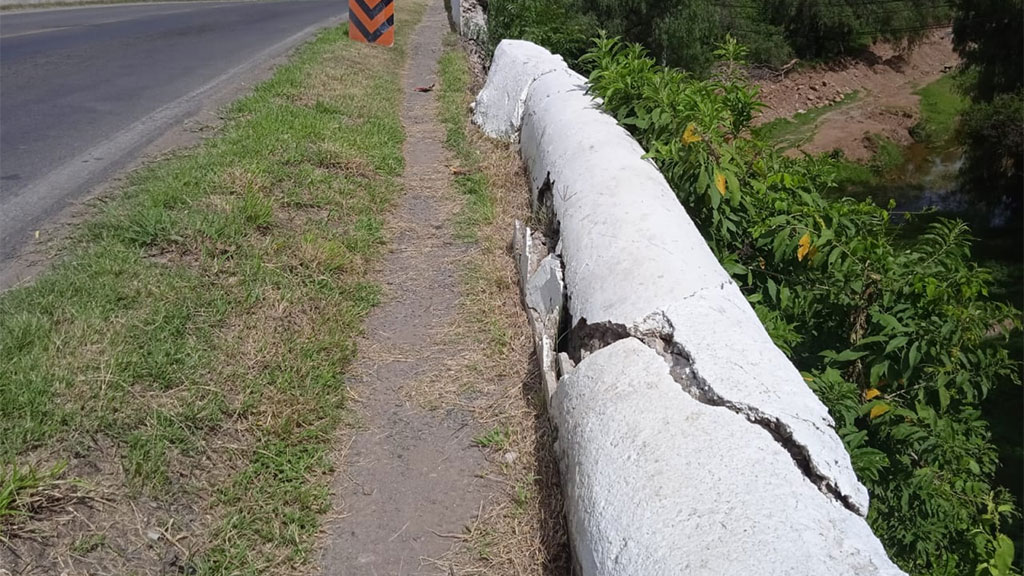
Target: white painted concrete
(669,473)
(630,250)
(516,64)
(660,484)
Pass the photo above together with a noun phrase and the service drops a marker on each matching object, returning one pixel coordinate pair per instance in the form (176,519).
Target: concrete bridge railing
(688,442)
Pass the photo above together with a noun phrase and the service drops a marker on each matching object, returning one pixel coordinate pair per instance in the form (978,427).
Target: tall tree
(989,36)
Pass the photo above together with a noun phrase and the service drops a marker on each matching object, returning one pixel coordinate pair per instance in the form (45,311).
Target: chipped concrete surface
(658,483)
(544,289)
(516,64)
(543,295)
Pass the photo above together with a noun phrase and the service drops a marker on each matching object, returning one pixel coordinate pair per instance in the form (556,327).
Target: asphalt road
(84,90)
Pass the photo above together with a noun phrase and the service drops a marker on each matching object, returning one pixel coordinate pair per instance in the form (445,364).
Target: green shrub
(558,25)
(897,337)
(986,35)
(993,138)
(679,32)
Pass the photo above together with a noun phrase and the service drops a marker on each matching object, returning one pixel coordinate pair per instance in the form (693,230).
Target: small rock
(510,457)
(152,534)
(801,111)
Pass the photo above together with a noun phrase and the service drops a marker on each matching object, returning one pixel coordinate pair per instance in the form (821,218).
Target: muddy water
(930,181)
(927,182)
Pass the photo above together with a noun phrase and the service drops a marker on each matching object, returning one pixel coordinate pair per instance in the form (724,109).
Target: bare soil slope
(885,81)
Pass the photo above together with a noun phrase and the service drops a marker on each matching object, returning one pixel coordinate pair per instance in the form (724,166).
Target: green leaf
(844,356)
(896,343)
(1004,554)
(943,398)
(973,465)
(915,354)
(890,322)
(734,187)
(877,371)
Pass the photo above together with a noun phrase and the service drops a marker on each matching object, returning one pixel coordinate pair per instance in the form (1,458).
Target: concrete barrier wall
(689,443)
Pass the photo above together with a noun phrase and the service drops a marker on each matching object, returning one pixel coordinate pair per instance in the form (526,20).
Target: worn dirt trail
(409,475)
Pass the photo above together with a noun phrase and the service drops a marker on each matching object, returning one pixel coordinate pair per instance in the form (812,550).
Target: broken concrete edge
(542,294)
(468,19)
(498,109)
(634,267)
(659,483)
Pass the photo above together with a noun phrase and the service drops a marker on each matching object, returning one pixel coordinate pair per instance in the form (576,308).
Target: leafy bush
(555,24)
(986,34)
(678,32)
(993,137)
(897,337)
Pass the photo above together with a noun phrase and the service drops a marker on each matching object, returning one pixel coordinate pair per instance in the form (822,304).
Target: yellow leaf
(690,135)
(720,182)
(761,262)
(878,410)
(805,247)
(871,393)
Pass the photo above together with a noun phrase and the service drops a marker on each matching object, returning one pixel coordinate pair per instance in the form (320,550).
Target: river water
(927,182)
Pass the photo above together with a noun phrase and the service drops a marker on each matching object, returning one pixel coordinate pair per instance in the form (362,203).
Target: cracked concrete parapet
(630,250)
(688,442)
(498,108)
(658,483)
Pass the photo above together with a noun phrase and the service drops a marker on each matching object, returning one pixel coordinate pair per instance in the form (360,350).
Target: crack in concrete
(657,332)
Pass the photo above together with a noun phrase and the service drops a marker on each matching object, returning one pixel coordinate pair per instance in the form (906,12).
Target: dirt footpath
(409,482)
(885,81)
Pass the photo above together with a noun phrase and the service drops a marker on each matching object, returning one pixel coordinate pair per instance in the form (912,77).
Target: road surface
(84,90)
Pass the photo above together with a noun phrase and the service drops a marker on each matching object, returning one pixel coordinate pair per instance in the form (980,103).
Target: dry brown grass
(521,530)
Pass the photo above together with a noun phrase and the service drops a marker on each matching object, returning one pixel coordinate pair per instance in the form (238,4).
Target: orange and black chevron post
(372,21)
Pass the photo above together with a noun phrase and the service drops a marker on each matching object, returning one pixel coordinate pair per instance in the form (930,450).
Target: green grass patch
(470,181)
(793,132)
(495,438)
(18,486)
(941,105)
(858,178)
(208,312)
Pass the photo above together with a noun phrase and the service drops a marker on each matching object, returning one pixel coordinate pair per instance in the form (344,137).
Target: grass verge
(478,206)
(186,359)
(522,530)
(941,105)
(881,169)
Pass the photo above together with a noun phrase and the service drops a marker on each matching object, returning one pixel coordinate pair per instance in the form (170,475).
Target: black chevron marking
(372,13)
(384,27)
